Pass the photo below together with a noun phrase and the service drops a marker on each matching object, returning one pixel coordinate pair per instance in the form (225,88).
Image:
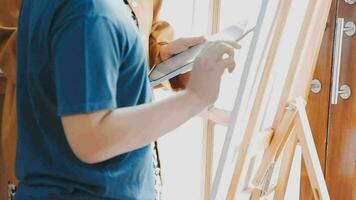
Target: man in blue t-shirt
(83,97)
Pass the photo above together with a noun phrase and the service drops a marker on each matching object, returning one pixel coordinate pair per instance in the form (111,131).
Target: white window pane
(179,14)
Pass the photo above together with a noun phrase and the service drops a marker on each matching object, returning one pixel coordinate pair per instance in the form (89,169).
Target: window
(181,150)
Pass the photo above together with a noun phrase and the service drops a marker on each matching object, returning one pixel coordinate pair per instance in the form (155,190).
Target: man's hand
(209,66)
(178,46)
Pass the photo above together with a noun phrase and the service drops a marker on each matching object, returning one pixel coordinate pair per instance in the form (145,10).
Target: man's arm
(96,137)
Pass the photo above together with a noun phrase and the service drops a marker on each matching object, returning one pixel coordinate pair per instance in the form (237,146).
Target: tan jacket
(8,21)
(154,33)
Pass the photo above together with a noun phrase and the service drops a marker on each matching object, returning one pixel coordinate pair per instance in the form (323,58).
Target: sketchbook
(184,62)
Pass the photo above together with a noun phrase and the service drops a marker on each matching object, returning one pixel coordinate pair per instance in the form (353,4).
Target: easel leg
(278,142)
(310,155)
(284,172)
(208,153)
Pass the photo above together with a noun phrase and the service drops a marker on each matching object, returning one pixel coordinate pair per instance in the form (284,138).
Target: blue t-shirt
(77,56)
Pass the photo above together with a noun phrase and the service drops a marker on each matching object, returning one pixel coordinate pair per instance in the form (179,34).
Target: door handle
(349,30)
(350,1)
(339,35)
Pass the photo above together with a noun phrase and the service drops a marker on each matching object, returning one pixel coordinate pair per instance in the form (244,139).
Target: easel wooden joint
(301,134)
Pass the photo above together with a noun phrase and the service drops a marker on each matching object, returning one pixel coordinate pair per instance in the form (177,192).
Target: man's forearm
(126,129)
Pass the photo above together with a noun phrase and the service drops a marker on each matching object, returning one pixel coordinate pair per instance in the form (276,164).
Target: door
(341,148)
(318,101)
(334,125)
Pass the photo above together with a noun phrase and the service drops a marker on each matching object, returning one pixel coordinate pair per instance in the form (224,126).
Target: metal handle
(339,35)
(350,1)
(349,29)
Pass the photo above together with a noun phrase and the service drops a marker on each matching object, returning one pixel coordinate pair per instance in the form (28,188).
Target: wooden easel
(290,125)
(213,116)
(293,129)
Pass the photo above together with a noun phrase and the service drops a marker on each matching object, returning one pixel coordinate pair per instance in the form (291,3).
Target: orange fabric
(8,21)
(9,11)
(154,34)
(9,131)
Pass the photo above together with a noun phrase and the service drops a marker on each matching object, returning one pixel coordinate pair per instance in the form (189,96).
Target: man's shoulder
(111,15)
(109,9)
(108,18)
